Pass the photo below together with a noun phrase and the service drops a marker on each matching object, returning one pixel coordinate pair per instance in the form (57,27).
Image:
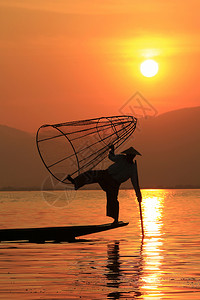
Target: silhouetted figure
(110,179)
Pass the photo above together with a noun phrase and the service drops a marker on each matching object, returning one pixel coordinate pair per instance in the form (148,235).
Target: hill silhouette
(21,167)
(169,144)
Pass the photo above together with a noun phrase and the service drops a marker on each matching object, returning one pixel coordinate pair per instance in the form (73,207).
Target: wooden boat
(57,234)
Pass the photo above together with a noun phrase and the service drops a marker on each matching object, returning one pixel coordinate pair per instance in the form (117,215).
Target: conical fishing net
(74,147)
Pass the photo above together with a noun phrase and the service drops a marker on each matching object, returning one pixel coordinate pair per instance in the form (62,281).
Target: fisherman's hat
(131,150)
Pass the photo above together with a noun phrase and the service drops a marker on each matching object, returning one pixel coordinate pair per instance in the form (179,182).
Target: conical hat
(131,150)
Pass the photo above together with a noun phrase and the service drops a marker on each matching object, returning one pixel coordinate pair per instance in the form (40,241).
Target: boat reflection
(152,207)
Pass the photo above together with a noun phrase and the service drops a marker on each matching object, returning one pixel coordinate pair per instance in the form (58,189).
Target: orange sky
(67,60)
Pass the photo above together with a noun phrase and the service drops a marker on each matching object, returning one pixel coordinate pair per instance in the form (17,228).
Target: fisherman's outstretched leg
(86,178)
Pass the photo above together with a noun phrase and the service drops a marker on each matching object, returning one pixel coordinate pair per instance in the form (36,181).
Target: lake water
(115,264)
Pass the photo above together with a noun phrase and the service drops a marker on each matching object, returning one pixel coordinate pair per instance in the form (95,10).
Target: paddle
(141,219)
(140,208)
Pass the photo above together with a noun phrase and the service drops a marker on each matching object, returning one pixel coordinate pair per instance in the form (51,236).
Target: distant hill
(20,163)
(169,143)
(170,147)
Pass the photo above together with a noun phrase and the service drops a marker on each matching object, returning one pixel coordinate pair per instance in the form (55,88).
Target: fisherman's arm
(112,156)
(135,183)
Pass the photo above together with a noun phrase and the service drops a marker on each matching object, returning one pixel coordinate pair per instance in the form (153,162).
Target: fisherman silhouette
(110,179)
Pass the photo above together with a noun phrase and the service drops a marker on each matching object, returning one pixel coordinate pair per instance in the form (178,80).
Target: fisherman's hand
(112,148)
(139,198)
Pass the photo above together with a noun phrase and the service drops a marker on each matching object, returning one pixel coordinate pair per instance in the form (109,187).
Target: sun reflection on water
(152,214)
(152,208)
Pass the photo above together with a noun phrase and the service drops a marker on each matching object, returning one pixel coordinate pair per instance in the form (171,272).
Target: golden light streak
(152,252)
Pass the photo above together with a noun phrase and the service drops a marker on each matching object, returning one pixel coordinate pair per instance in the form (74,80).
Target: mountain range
(169,144)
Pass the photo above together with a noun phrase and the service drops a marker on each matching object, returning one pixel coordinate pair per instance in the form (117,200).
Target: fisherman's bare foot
(115,222)
(70,179)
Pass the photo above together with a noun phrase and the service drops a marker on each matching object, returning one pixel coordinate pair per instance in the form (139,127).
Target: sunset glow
(58,56)
(99,177)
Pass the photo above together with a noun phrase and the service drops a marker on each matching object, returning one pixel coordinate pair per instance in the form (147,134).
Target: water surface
(115,264)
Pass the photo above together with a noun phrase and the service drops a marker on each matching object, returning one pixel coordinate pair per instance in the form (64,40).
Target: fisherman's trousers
(107,183)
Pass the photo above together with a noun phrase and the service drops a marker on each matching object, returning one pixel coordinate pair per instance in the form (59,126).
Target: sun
(149,68)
